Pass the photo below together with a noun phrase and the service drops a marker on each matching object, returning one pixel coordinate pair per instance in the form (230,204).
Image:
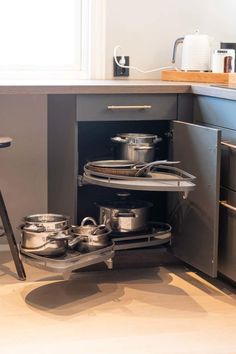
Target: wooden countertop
(112,87)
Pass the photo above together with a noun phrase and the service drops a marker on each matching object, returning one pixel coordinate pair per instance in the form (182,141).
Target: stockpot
(125,215)
(135,146)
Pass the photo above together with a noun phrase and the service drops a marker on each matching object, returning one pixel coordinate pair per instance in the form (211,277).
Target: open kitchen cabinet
(76,137)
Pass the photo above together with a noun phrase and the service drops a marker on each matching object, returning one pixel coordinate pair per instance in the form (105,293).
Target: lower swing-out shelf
(72,260)
(158,234)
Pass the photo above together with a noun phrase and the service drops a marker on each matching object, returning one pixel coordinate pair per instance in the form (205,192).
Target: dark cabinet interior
(94,143)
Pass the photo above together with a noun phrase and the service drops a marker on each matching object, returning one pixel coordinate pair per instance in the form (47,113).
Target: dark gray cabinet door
(195,220)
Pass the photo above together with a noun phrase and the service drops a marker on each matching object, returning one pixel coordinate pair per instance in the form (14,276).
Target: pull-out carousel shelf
(157,234)
(72,260)
(169,179)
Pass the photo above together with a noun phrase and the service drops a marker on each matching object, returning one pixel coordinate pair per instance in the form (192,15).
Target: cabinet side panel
(195,220)
(62,155)
(185,108)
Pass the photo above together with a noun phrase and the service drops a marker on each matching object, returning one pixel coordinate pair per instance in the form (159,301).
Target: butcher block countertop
(154,310)
(112,87)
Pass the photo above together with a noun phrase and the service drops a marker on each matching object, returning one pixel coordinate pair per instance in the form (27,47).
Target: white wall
(147,29)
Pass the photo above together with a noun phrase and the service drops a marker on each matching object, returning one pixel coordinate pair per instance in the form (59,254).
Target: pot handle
(178,41)
(143,148)
(55,237)
(58,236)
(125,215)
(72,243)
(102,228)
(88,218)
(147,168)
(157,140)
(118,139)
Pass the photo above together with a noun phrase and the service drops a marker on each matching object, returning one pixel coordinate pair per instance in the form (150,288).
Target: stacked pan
(45,234)
(52,235)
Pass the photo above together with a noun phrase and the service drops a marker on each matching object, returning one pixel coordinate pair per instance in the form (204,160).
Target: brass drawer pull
(228,145)
(129,107)
(228,206)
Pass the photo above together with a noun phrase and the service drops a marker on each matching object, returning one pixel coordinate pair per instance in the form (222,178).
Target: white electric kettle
(196,52)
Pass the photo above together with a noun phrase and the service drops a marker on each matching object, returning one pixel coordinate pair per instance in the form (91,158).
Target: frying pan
(124,167)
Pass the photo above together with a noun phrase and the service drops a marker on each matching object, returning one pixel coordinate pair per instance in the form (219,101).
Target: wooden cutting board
(196,76)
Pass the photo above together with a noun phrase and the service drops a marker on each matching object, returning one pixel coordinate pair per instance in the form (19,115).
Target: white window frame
(97,53)
(91,63)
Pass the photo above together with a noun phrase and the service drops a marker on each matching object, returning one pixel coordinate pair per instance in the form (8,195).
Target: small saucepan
(92,236)
(90,229)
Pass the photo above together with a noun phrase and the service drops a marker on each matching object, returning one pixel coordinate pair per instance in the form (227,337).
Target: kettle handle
(178,41)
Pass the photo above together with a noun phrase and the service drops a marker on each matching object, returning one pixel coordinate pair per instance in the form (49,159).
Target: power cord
(121,64)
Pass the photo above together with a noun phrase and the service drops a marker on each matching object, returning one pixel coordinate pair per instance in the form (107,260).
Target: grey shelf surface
(155,237)
(71,261)
(165,185)
(159,178)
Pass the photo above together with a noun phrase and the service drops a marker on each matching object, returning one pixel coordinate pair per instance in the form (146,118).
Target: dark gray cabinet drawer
(126,107)
(216,111)
(227,236)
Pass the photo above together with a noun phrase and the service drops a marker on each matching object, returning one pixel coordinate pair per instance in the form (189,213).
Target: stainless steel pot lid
(125,204)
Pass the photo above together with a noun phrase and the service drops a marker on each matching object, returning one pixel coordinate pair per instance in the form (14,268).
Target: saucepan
(91,236)
(46,243)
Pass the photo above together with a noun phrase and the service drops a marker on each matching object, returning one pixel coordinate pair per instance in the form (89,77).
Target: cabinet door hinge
(80,181)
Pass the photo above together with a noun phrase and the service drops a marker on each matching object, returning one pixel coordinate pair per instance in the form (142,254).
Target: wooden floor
(166,309)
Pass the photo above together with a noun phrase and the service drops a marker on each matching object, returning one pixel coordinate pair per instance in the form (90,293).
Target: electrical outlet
(117,70)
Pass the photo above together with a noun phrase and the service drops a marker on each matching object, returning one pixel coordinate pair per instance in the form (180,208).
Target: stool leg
(11,239)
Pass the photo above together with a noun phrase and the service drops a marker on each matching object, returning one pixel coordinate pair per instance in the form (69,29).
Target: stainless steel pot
(91,237)
(48,222)
(125,215)
(87,230)
(45,243)
(94,242)
(136,147)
